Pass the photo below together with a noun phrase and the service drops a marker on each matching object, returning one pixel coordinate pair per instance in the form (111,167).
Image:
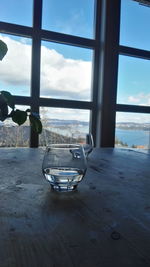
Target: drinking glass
(88,147)
(64,166)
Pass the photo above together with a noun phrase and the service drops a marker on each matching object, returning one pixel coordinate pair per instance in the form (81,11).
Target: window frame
(136,53)
(106,51)
(37,34)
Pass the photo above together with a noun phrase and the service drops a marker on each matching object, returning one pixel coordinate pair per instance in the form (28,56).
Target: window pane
(133,130)
(67,16)
(12,135)
(18,11)
(15,68)
(65,72)
(134,30)
(133,81)
(64,125)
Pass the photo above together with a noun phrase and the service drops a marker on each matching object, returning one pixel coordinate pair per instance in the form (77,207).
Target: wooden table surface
(106,222)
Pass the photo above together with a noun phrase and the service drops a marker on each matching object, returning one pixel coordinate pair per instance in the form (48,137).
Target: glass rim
(64,146)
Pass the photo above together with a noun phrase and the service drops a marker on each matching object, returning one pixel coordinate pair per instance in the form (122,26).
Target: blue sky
(76,17)
(134,73)
(73,17)
(135,19)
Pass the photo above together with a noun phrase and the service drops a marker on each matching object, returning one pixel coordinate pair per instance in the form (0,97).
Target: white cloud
(64,114)
(15,68)
(60,77)
(140,99)
(64,78)
(132,117)
(133,99)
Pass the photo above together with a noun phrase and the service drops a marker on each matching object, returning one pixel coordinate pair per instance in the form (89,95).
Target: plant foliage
(7,102)
(3,49)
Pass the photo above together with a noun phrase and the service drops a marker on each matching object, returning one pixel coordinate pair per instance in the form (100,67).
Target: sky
(134,73)
(57,61)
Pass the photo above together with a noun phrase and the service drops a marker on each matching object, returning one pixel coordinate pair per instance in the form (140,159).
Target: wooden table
(42,228)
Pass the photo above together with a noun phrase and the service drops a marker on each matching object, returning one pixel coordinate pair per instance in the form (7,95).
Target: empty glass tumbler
(64,166)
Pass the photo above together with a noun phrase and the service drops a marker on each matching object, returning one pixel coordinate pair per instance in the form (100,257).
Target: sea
(129,137)
(133,137)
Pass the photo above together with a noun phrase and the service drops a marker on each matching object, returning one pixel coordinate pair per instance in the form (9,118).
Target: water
(130,137)
(63,179)
(134,137)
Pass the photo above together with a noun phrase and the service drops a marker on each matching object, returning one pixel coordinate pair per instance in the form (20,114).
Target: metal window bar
(138,53)
(103,105)
(37,34)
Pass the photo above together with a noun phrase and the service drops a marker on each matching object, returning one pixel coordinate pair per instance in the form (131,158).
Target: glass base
(63,188)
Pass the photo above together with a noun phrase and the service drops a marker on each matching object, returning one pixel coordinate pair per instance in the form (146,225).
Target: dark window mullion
(63,103)
(94,121)
(15,29)
(110,71)
(134,52)
(35,76)
(132,108)
(67,39)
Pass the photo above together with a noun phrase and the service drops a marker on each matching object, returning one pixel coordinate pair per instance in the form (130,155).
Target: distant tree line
(18,136)
(123,144)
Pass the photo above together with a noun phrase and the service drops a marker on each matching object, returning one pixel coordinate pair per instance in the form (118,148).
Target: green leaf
(3,109)
(3,49)
(8,98)
(35,123)
(19,116)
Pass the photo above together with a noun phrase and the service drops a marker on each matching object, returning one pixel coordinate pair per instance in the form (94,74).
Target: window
(17,12)
(133,130)
(50,70)
(64,125)
(65,72)
(15,70)
(133,90)
(63,60)
(134,31)
(12,135)
(66,16)
(133,81)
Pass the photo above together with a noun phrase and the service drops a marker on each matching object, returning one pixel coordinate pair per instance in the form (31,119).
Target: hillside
(18,136)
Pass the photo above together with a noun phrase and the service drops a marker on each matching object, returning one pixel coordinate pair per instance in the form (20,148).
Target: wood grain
(42,228)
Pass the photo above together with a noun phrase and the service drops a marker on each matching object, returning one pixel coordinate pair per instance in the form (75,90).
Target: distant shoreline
(128,134)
